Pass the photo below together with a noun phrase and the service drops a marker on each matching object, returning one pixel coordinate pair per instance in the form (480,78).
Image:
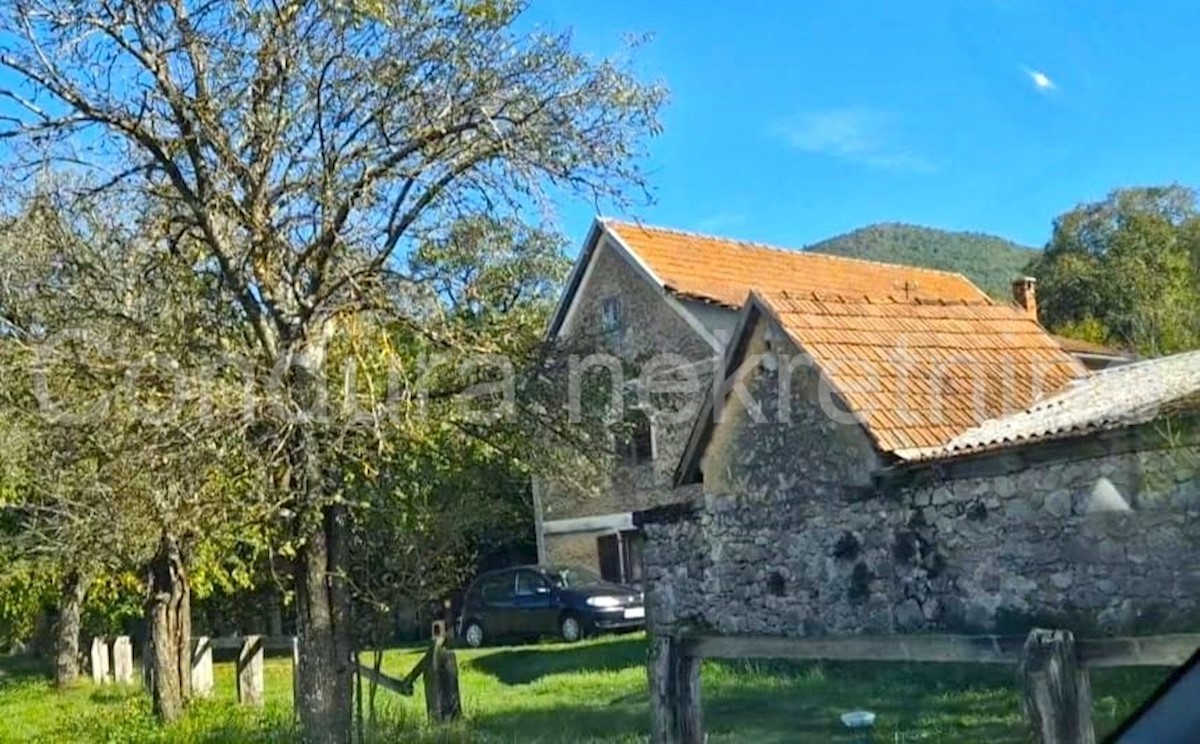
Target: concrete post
(100,661)
(122,660)
(250,672)
(202,668)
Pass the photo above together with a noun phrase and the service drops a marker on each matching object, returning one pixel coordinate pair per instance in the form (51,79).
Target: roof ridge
(752,244)
(877,299)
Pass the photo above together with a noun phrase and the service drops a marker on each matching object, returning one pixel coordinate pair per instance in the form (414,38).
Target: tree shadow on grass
(519,666)
(17,670)
(568,723)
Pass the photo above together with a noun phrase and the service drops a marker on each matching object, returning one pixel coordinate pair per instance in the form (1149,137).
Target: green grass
(589,692)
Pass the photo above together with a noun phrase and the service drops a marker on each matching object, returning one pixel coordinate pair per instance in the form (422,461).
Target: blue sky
(795,120)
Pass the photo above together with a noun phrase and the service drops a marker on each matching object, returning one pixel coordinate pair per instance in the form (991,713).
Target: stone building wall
(996,554)
(791,539)
(652,334)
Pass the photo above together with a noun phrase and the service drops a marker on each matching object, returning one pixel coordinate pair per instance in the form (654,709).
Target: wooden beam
(689,716)
(398,686)
(662,693)
(269,643)
(1056,692)
(986,649)
(1162,650)
(603,522)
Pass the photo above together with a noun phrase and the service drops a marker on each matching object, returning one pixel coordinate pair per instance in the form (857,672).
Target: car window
(497,588)
(572,576)
(528,582)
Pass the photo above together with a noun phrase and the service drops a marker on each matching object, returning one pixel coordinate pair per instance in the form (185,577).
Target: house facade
(670,304)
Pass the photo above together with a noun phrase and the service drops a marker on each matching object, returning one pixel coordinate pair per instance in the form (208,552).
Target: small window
(637,447)
(611,317)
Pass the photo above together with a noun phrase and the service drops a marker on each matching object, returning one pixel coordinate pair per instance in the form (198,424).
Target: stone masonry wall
(652,333)
(994,554)
(787,540)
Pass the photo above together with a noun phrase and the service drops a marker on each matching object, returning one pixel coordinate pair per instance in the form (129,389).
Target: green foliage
(1124,271)
(113,599)
(991,262)
(26,588)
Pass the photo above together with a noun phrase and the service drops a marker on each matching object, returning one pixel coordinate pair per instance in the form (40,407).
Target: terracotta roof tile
(723,271)
(920,373)
(1115,398)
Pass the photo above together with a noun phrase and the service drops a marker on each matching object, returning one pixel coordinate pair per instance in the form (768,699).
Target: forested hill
(989,261)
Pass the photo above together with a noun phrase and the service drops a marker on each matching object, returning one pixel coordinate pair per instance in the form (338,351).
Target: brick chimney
(1025,295)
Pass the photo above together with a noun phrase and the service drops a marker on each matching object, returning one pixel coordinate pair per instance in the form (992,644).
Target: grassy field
(589,692)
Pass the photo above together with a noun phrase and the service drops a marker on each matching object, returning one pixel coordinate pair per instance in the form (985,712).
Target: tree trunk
(169,630)
(67,627)
(325,673)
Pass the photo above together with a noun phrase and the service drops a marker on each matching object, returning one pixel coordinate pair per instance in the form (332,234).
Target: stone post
(250,671)
(100,661)
(122,660)
(202,668)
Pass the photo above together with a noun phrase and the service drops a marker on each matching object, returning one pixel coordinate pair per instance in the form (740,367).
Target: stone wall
(793,537)
(996,554)
(652,334)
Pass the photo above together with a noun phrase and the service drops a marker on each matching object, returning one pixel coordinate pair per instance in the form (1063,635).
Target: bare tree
(301,147)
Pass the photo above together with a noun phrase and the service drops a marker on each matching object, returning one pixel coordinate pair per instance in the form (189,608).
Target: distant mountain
(989,261)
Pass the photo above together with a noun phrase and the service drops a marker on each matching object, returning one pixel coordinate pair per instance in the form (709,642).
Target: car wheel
(473,634)
(570,629)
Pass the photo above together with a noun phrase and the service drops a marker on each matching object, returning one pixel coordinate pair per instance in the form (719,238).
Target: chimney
(1025,295)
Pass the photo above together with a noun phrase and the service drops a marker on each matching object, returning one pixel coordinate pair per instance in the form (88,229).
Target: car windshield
(569,577)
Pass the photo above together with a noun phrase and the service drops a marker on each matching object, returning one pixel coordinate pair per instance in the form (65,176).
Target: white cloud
(1040,80)
(856,135)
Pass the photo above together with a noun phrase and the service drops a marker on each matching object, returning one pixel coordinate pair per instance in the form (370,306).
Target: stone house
(667,304)
(877,466)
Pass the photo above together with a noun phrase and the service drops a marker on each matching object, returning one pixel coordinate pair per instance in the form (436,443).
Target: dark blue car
(533,601)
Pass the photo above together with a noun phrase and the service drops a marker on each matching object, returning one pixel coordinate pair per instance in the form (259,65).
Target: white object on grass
(858,719)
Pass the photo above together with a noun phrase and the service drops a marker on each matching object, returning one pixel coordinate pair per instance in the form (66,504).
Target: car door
(533,604)
(497,594)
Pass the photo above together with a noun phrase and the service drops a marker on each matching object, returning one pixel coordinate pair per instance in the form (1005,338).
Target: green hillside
(989,261)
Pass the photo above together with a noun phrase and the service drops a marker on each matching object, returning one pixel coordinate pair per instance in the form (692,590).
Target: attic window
(610,314)
(638,445)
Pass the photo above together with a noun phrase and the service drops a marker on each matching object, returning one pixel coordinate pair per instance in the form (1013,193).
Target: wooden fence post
(1057,694)
(122,660)
(202,668)
(100,661)
(442,701)
(250,671)
(676,716)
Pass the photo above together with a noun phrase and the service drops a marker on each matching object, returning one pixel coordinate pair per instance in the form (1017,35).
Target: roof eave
(574,279)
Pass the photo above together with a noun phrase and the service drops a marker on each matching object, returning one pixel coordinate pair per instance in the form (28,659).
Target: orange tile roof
(919,373)
(724,271)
